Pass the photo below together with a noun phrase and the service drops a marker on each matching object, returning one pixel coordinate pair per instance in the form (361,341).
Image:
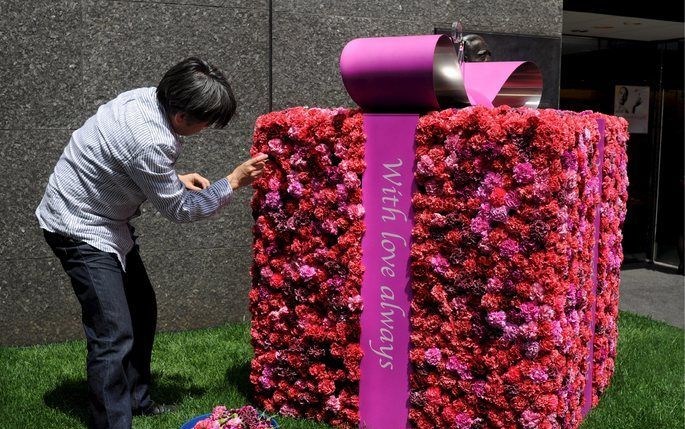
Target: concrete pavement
(657,294)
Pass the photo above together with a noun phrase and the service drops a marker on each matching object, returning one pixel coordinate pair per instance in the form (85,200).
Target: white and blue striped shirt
(121,156)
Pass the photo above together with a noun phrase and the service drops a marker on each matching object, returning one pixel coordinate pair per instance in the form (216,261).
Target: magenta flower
(531,349)
(508,248)
(455,365)
(497,319)
(333,403)
(329,226)
(529,311)
(494,285)
(524,173)
(287,410)
(234,423)
(295,187)
(452,161)
(452,142)
(273,200)
(529,330)
(569,160)
(480,226)
(538,375)
(355,211)
(307,272)
(557,332)
(425,166)
(351,180)
(354,303)
(218,411)
(266,272)
(432,187)
(499,214)
(439,264)
(478,388)
(510,332)
(276,145)
(492,180)
(530,419)
(463,421)
(433,356)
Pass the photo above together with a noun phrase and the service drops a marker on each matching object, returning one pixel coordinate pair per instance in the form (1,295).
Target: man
(122,156)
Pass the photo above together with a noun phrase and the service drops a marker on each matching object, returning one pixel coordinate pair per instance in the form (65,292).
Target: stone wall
(61,59)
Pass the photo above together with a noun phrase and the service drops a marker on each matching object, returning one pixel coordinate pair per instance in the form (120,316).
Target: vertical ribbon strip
(587,394)
(387,184)
(405,74)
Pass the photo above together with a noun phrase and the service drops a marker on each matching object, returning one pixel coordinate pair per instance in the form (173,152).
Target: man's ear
(179,118)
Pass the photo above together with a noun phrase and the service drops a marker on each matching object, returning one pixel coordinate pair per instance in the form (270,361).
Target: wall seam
(271,55)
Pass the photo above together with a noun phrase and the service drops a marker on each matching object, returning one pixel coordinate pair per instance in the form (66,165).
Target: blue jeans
(119,314)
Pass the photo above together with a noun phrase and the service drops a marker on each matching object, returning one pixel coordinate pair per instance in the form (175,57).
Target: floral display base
(515,263)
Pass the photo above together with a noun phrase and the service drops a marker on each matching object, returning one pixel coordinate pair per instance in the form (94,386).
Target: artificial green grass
(44,386)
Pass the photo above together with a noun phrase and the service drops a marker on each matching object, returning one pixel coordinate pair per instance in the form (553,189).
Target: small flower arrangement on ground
(246,417)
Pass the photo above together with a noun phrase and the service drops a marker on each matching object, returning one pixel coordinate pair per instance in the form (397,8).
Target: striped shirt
(122,156)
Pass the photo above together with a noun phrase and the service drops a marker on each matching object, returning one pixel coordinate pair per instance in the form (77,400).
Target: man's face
(184,127)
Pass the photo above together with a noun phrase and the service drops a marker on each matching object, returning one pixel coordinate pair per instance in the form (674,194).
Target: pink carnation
(307,272)
(433,356)
(497,319)
(463,421)
(530,419)
(455,365)
(333,403)
(425,166)
(524,173)
(439,263)
(354,303)
(508,248)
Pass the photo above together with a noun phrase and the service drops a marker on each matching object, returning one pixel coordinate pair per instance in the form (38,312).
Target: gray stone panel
(205,287)
(306,53)
(540,17)
(309,35)
(215,153)
(40,64)
(231,226)
(230,4)
(131,44)
(28,157)
(37,303)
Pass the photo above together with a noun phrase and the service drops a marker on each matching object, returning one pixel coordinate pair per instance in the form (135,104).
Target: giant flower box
(510,287)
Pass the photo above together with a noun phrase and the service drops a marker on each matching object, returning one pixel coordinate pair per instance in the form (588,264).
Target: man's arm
(152,170)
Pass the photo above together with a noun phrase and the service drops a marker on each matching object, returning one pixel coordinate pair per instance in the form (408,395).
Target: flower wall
(502,252)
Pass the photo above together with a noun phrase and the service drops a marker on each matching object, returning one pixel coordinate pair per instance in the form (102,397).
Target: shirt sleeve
(152,169)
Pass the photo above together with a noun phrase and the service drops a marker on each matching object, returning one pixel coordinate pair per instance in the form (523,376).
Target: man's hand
(247,172)
(194,182)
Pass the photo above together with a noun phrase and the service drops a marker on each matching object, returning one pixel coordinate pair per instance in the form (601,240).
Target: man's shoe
(154,409)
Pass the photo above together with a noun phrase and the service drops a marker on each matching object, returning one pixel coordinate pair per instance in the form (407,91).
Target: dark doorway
(593,71)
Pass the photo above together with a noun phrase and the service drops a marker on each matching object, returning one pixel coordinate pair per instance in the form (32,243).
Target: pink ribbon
(418,73)
(387,186)
(405,74)
(587,393)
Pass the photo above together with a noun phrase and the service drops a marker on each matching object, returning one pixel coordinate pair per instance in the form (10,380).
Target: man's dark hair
(199,90)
